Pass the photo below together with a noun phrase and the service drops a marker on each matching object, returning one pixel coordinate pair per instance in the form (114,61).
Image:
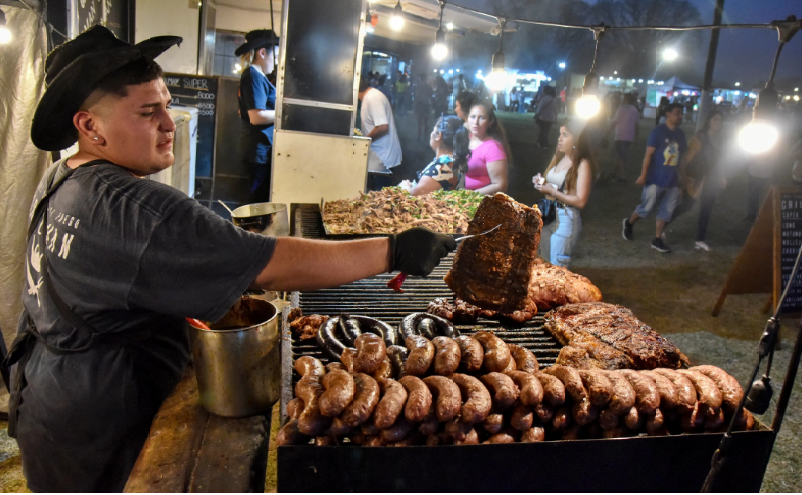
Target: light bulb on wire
(589,105)
(670,54)
(440,49)
(397,19)
(5,33)
(497,79)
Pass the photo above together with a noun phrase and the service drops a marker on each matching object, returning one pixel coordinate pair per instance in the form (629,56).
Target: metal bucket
(237,362)
(263,218)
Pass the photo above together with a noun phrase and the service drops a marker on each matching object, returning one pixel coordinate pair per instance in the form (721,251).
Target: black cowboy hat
(254,40)
(73,70)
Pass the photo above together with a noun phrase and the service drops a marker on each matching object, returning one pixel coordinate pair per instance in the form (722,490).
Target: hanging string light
(368,21)
(761,134)
(397,19)
(589,105)
(440,49)
(497,79)
(5,33)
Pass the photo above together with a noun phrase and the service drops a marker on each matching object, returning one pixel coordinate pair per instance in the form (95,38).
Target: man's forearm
(261,117)
(304,264)
(379,132)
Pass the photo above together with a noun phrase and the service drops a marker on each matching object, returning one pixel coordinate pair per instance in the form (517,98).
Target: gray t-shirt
(126,254)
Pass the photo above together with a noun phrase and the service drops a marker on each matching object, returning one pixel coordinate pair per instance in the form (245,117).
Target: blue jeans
(667,197)
(557,240)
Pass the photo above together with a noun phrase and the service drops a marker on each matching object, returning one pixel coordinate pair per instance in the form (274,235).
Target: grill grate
(371,297)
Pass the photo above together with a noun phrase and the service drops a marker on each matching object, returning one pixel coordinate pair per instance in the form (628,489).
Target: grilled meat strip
(494,271)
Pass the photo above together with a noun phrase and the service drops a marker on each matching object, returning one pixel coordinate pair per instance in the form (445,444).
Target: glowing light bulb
(758,137)
(5,35)
(670,54)
(588,106)
(450,25)
(497,80)
(396,23)
(796,97)
(439,51)
(369,29)
(737,84)
(562,65)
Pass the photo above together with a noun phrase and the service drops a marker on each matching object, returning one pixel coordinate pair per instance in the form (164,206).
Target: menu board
(114,14)
(789,217)
(199,92)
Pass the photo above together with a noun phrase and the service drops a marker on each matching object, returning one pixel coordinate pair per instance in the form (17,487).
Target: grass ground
(674,293)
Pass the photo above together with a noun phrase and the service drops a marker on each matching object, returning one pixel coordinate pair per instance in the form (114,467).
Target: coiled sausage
(370,352)
(731,391)
(311,422)
(447,355)
(497,354)
(503,390)
(553,389)
(666,389)
(339,392)
(366,397)
(686,392)
(471,352)
(623,397)
(419,398)
(446,396)
(477,398)
(599,387)
(421,355)
(391,405)
(571,379)
(524,359)
(647,399)
(305,365)
(531,389)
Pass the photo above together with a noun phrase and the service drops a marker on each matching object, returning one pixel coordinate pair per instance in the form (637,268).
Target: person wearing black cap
(115,263)
(257,109)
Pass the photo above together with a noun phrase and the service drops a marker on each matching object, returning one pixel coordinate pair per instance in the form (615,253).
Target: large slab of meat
(494,271)
(608,336)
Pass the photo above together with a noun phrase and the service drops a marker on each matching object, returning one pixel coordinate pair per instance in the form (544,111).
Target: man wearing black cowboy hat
(257,109)
(115,263)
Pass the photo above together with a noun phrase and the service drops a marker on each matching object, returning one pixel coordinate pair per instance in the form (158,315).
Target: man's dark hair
(364,84)
(116,83)
(673,106)
(467,99)
(382,79)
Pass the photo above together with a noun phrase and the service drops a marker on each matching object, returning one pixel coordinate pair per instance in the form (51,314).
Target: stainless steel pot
(263,218)
(237,362)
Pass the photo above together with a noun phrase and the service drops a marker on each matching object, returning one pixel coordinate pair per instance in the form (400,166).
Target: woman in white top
(568,181)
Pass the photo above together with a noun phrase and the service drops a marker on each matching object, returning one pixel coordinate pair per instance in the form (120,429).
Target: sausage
(493,423)
(745,420)
(666,389)
(339,392)
(531,389)
(562,418)
(409,324)
(646,397)
(437,439)
(524,359)
(623,397)
(706,389)
(425,328)
(294,408)
(522,417)
(366,397)
(384,373)
(311,422)
(357,438)
(429,425)
(458,430)
(419,399)
(397,356)
(368,428)
(716,421)
(655,423)
(471,352)
(584,413)
(391,405)
(374,442)
(289,434)
(338,427)
(477,398)
(497,354)
(572,432)
(421,355)
(306,364)
(347,358)
(544,412)
(694,420)
(510,367)
(413,438)
(370,352)
(334,365)
(608,420)
(377,327)
(446,395)
(731,391)
(686,392)
(503,437)
(553,389)
(397,431)
(599,387)
(618,432)
(502,389)
(571,379)
(633,419)
(447,355)
(323,441)
(471,438)
(534,434)
(326,338)
(349,328)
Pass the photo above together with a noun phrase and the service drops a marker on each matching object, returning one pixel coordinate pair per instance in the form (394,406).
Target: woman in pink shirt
(487,166)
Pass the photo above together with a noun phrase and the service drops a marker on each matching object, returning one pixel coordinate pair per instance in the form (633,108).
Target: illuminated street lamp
(397,20)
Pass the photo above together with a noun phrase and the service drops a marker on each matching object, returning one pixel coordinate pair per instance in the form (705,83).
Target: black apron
(24,343)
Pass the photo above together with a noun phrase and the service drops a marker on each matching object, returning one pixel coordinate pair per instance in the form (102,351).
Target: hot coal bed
(675,463)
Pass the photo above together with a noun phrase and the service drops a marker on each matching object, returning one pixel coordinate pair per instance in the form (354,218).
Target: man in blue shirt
(663,168)
(257,109)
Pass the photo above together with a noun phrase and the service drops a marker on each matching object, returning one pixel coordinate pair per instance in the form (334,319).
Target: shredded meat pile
(306,326)
(394,210)
(607,336)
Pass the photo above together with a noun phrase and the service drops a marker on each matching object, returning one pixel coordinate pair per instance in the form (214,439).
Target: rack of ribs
(612,337)
(494,271)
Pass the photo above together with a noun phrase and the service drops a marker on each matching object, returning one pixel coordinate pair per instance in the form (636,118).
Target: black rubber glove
(418,251)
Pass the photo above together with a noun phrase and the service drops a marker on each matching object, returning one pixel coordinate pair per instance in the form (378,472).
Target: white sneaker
(701,245)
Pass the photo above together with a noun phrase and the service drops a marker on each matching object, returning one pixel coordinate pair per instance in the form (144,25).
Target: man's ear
(87,125)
